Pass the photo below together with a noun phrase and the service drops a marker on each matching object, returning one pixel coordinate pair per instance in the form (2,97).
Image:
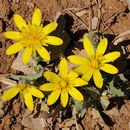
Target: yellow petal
(35,92)
(87,76)
(111,56)
(109,68)
(52,77)
(75,94)
(52,40)
(72,75)
(63,68)
(12,92)
(27,54)
(49,86)
(43,53)
(14,48)
(82,69)
(19,22)
(53,97)
(13,35)
(97,77)
(64,97)
(28,100)
(50,28)
(79,82)
(102,47)
(36,19)
(88,48)
(78,60)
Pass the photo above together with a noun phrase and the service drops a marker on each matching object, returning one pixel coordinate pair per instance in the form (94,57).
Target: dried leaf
(33,123)
(18,64)
(67,123)
(112,112)
(123,34)
(96,114)
(7,81)
(81,13)
(104,102)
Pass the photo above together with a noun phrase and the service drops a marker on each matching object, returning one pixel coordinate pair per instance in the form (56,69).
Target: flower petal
(72,75)
(109,68)
(13,35)
(82,69)
(49,86)
(78,60)
(43,53)
(19,22)
(53,97)
(12,92)
(64,97)
(97,77)
(102,46)
(36,92)
(87,76)
(36,19)
(79,82)
(28,100)
(52,77)
(75,94)
(111,56)
(88,48)
(49,28)
(27,54)
(52,40)
(63,68)
(14,48)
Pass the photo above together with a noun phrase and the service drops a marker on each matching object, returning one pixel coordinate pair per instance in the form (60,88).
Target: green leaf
(104,102)
(30,77)
(94,92)
(96,114)
(80,108)
(114,91)
(122,77)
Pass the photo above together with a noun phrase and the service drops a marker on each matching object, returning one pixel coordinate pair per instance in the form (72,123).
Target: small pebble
(30,4)
(94,23)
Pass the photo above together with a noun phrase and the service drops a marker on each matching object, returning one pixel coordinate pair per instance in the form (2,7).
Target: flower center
(32,36)
(94,63)
(63,84)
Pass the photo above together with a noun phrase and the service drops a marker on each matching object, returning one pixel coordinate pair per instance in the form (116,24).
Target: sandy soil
(113,19)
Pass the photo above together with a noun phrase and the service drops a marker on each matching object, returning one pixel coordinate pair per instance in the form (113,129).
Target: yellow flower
(26,90)
(32,37)
(63,84)
(95,62)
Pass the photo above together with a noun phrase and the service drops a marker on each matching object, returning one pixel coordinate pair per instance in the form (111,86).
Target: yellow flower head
(95,62)
(32,37)
(26,90)
(63,84)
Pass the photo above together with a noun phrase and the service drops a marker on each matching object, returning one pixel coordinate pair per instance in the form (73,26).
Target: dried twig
(74,15)
(99,2)
(79,9)
(77,128)
(112,18)
(123,34)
